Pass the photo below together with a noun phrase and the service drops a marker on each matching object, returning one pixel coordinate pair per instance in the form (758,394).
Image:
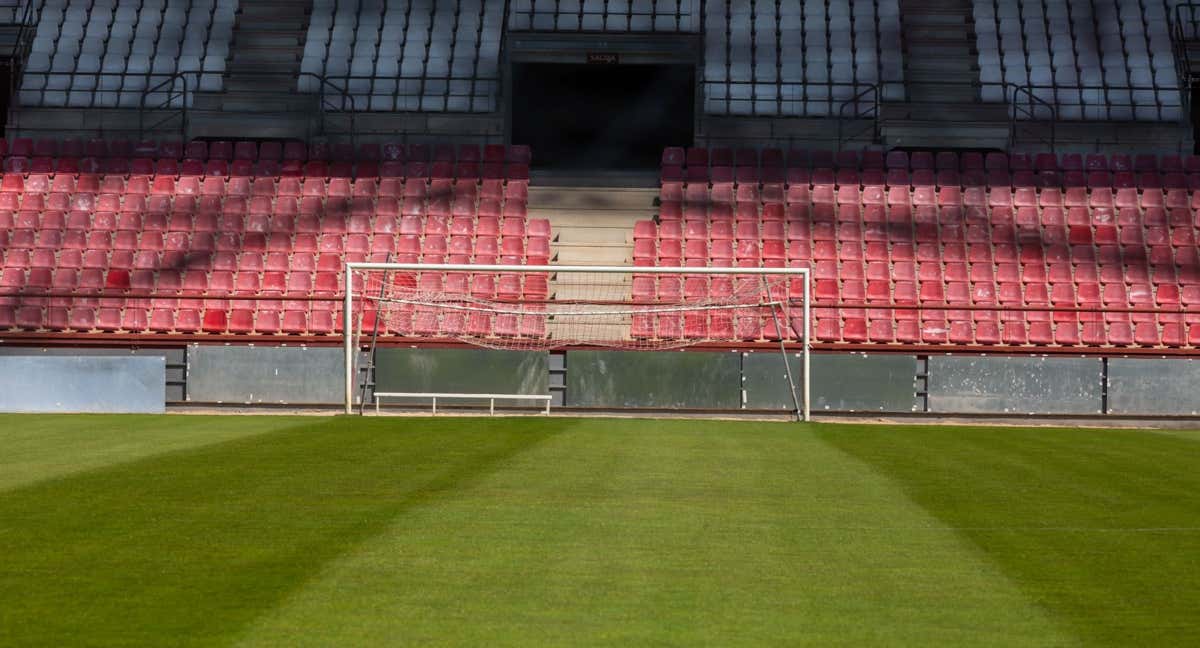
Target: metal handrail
(1015,109)
(1179,39)
(22,47)
(169,82)
(323,103)
(873,90)
(348,79)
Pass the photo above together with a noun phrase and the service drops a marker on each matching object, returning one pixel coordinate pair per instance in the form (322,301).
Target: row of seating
(168,316)
(163,189)
(958,327)
(106,54)
(776,180)
(267,316)
(875,202)
(1098,265)
(1108,59)
(84,252)
(270,150)
(389,56)
(799,58)
(470,171)
(1102,59)
(678,158)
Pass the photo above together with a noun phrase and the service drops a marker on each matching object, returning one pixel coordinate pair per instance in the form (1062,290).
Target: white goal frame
(348,312)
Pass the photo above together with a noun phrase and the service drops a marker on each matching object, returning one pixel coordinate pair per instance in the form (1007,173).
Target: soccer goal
(542,308)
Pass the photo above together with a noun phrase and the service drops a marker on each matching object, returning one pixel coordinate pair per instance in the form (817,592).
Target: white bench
(491,398)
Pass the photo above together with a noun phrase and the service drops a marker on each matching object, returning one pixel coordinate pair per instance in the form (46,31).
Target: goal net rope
(515,308)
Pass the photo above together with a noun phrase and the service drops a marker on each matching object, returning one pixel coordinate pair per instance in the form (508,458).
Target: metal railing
(1184,29)
(165,103)
(786,98)
(1034,111)
(655,16)
(868,97)
(169,97)
(1029,108)
(408,93)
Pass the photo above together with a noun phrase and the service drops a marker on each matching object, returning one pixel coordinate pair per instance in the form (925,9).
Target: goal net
(539,308)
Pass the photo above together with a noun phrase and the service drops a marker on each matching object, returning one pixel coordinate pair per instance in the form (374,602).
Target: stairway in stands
(260,79)
(592,225)
(941,74)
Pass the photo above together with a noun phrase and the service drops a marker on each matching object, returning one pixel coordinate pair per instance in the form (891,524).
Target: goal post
(548,307)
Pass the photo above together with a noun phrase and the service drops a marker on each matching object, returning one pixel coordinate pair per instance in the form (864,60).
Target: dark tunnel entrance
(602,116)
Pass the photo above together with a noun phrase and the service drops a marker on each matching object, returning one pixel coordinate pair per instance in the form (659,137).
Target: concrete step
(593,254)
(593,219)
(942,72)
(951,55)
(235,125)
(592,279)
(589,329)
(583,235)
(251,39)
(275,59)
(972,112)
(936,33)
(256,83)
(941,94)
(581,198)
(254,102)
(934,134)
(275,15)
(926,20)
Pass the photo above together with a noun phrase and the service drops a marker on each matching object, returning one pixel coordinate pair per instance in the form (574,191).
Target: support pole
(807,349)
(787,366)
(348,339)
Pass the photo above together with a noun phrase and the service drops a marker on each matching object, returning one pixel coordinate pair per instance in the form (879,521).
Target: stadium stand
(941,250)
(440,56)
(799,58)
(245,239)
(1099,60)
(108,54)
(787,58)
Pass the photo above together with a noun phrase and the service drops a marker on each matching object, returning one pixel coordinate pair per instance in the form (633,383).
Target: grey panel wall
(666,380)
(176,361)
(1020,385)
(82,384)
(463,371)
(245,374)
(1154,386)
(842,382)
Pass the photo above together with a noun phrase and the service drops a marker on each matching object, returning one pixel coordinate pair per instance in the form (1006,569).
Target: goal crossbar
(803,273)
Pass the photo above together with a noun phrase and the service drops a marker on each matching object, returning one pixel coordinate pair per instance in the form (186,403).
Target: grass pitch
(274,531)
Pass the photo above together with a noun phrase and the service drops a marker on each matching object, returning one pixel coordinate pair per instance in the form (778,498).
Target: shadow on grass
(1101,528)
(188,548)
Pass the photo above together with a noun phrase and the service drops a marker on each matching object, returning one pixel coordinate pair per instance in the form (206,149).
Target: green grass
(289,531)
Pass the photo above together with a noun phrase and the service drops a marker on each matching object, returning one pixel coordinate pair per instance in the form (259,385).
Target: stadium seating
(209,245)
(442,56)
(597,15)
(939,250)
(107,54)
(791,58)
(799,58)
(1102,60)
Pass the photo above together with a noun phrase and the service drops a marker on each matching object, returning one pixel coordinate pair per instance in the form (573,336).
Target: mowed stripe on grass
(1101,527)
(188,547)
(38,447)
(664,533)
(614,532)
